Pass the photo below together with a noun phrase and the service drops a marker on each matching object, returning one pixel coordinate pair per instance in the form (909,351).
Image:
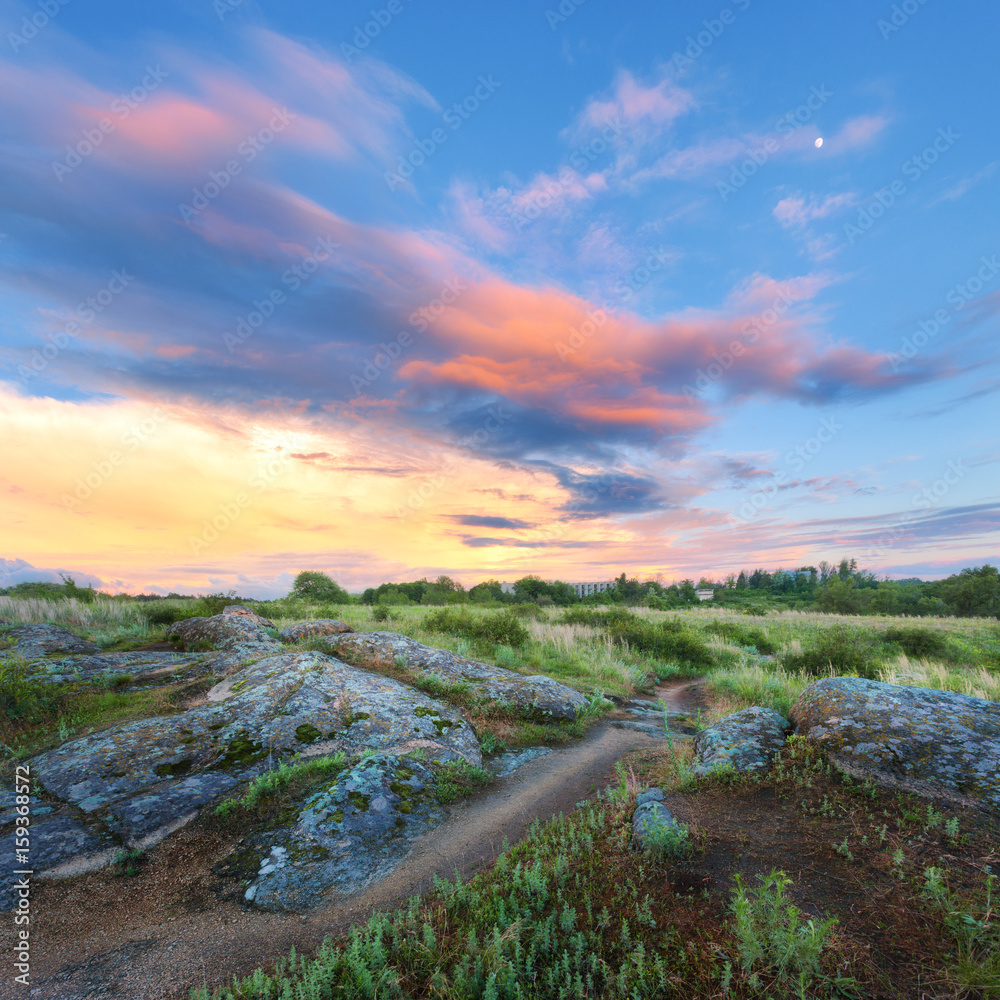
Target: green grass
(289,777)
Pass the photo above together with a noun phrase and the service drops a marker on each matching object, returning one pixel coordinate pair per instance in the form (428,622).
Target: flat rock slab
(748,740)
(34,642)
(537,695)
(142,778)
(926,741)
(349,834)
(313,630)
(137,664)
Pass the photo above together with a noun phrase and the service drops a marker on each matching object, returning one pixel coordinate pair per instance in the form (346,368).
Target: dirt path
(158,935)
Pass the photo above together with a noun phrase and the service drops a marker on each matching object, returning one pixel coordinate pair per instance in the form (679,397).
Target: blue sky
(565,289)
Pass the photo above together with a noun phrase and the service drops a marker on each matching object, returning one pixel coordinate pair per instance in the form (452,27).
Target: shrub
(666,841)
(916,641)
(773,937)
(845,650)
(501,628)
(669,640)
(743,635)
(166,614)
(380,613)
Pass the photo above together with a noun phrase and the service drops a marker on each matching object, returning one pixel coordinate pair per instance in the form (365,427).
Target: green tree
(312,585)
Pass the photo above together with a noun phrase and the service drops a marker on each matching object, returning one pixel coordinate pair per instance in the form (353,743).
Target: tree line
(841,589)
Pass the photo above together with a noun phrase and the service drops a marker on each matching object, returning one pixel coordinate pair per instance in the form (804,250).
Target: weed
(773,937)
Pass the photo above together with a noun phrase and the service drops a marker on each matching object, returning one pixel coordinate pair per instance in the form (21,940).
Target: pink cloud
(797,211)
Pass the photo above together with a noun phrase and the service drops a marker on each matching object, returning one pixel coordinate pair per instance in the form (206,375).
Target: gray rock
(57,836)
(349,834)
(144,777)
(139,664)
(34,642)
(650,813)
(926,741)
(748,741)
(244,612)
(313,629)
(507,763)
(239,637)
(537,695)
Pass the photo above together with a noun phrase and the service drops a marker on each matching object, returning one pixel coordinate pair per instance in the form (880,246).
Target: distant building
(586,589)
(705,595)
(506,587)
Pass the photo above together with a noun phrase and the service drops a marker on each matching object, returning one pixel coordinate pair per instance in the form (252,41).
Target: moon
(819,142)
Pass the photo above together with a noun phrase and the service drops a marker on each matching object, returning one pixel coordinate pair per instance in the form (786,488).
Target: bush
(669,640)
(666,841)
(916,641)
(846,651)
(380,613)
(598,619)
(743,635)
(166,614)
(502,628)
(773,937)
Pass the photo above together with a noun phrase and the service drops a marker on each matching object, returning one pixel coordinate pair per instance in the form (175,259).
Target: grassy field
(802,883)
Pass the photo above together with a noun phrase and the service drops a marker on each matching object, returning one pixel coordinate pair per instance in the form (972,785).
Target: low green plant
(129,860)
(455,779)
(667,841)
(774,939)
(272,782)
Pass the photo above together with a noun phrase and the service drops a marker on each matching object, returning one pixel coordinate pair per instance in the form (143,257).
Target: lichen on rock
(536,695)
(747,740)
(927,741)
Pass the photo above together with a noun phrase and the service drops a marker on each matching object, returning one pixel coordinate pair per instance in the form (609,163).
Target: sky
(562,288)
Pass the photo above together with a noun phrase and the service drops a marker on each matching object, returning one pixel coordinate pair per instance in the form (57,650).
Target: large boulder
(35,642)
(239,637)
(537,695)
(926,741)
(355,830)
(747,740)
(143,778)
(313,630)
(244,612)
